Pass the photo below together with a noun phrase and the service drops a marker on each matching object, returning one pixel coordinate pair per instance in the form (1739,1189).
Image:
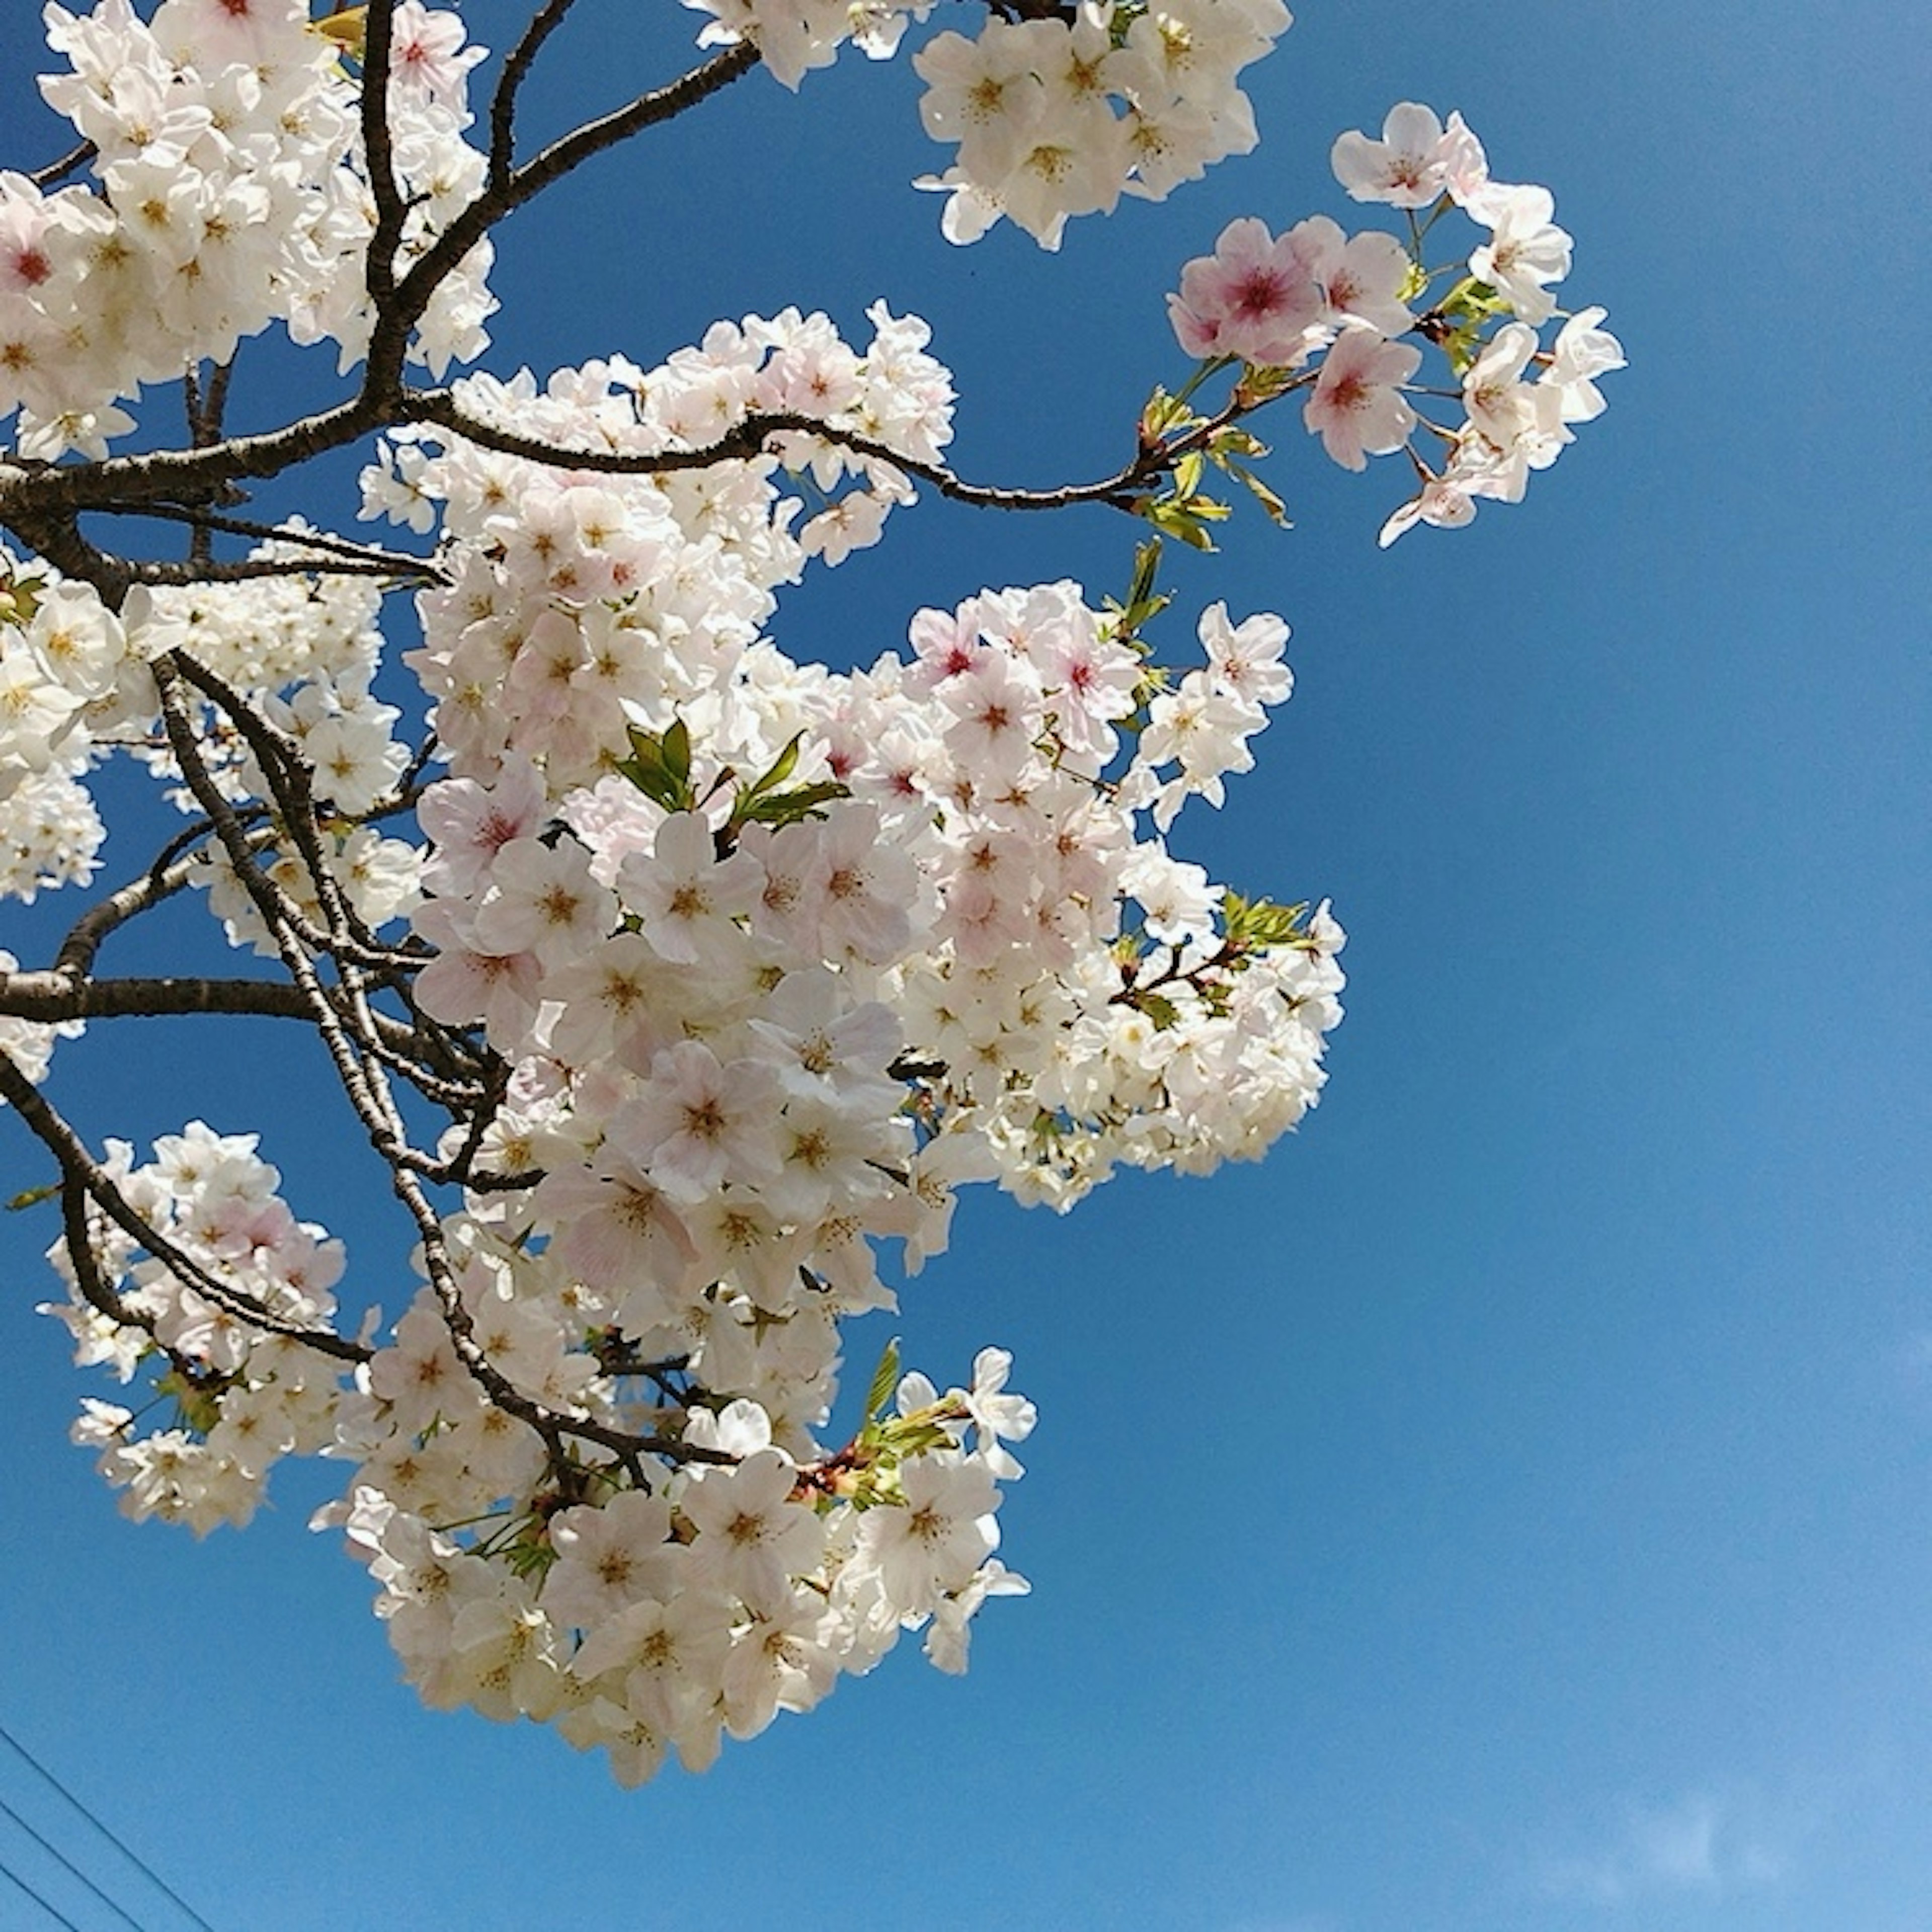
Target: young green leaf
(885,1382)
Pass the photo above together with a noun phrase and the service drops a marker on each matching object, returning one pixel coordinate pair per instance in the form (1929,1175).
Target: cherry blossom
(719,972)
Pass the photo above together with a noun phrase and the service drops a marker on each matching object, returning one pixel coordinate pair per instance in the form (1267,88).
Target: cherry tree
(667,980)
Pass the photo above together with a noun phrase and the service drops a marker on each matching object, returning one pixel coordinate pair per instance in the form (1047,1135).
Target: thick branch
(32,492)
(379,266)
(53,996)
(31,489)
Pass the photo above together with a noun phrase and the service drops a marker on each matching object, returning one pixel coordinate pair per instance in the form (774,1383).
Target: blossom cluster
(1054,116)
(244,1393)
(230,191)
(727,968)
(778,957)
(75,687)
(1275,303)
(642,1618)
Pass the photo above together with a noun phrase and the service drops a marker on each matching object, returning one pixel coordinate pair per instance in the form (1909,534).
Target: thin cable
(8,1871)
(54,1851)
(133,1857)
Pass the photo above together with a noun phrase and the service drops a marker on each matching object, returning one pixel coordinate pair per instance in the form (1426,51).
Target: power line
(8,1871)
(54,1851)
(126,1852)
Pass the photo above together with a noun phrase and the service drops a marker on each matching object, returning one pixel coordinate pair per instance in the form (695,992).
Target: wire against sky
(7,1871)
(126,1851)
(53,1851)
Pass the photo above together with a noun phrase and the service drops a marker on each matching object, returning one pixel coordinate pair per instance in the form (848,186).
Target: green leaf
(885,1382)
(660,767)
(1163,413)
(530,1558)
(677,751)
(1259,385)
(347,30)
(1164,1014)
(1253,923)
(1144,602)
(200,1408)
(788,808)
(1178,520)
(1136,617)
(1231,442)
(782,767)
(20,598)
(32,1197)
(1276,509)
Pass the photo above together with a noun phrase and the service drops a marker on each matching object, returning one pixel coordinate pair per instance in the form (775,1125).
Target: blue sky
(1506,1509)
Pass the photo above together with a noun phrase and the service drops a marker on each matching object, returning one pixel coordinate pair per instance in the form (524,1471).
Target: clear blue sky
(1507,1509)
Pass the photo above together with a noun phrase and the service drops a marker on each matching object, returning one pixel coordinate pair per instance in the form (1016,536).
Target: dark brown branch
(286,772)
(509,83)
(389,342)
(249,569)
(378,154)
(216,408)
(57,537)
(79,1167)
(74,159)
(165,877)
(552,1425)
(31,490)
(398,562)
(51,996)
(748,438)
(87,1276)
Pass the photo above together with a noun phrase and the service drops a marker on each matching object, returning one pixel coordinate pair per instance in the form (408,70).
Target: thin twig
(74,159)
(399,563)
(78,1165)
(389,340)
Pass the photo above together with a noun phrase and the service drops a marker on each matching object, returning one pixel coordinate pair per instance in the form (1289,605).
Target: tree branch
(747,440)
(509,83)
(372,556)
(51,995)
(389,341)
(58,171)
(78,1168)
(379,270)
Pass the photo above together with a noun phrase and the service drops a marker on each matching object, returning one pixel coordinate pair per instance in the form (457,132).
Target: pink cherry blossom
(1357,408)
(1254,297)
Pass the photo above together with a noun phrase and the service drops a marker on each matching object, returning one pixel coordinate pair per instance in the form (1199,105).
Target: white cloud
(1700,1843)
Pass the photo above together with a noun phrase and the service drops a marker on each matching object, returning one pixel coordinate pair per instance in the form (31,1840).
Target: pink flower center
(1260,294)
(1348,393)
